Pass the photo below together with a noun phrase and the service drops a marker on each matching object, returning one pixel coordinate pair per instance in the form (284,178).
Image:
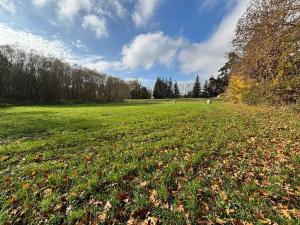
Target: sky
(130,39)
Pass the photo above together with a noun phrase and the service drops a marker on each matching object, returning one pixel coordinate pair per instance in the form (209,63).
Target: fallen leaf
(47,192)
(220,221)
(26,186)
(132,221)
(107,206)
(285,213)
(223,195)
(265,221)
(102,216)
(13,199)
(144,184)
(214,187)
(180,208)
(152,197)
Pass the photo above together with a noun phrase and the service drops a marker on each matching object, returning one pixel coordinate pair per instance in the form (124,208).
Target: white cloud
(68,9)
(102,65)
(144,11)
(96,24)
(208,56)
(208,3)
(78,44)
(40,3)
(8,5)
(146,50)
(205,58)
(110,8)
(27,41)
(119,9)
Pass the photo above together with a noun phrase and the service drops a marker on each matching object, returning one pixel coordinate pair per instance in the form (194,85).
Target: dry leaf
(265,221)
(223,195)
(220,221)
(285,213)
(107,206)
(132,221)
(144,184)
(214,187)
(47,192)
(102,216)
(25,186)
(180,208)
(152,197)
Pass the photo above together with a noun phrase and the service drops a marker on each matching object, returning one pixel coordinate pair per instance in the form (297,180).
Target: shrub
(236,89)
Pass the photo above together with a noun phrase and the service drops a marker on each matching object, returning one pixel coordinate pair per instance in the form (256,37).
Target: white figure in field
(174,101)
(208,102)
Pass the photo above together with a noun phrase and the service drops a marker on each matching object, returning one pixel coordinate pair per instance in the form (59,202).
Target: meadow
(149,162)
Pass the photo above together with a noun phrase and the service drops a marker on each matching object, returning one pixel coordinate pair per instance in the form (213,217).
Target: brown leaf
(88,158)
(285,213)
(13,199)
(223,195)
(144,184)
(102,216)
(214,187)
(37,158)
(140,213)
(229,211)
(107,206)
(180,208)
(205,207)
(265,221)
(152,220)
(25,186)
(220,221)
(132,221)
(153,200)
(47,192)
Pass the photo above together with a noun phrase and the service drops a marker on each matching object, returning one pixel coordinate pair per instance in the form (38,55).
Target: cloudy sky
(131,39)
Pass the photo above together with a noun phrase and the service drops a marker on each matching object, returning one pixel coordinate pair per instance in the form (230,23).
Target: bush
(236,89)
(272,92)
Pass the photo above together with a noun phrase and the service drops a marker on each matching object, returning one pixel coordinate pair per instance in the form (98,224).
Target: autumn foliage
(267,43)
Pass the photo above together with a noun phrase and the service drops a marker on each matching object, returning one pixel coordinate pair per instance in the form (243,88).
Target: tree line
(211,88)
(137,91)
(165,89)
(28,77)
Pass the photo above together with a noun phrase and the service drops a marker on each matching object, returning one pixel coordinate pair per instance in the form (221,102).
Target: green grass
(152,161)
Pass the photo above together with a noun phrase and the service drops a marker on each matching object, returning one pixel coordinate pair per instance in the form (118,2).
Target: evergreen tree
(176,91)
(170,92)
(145,93)
(197,88)
(137,91)
(157,91)
(204,93)
(164,89)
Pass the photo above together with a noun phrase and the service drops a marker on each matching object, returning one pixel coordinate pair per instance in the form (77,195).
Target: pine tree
(204,93)
(157,91)
(170,92)
(197,88)
(176,91)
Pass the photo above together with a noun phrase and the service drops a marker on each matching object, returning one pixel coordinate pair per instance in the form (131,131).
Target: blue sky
(131,39)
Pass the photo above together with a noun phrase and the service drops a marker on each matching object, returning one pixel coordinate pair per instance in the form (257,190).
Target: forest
(31,78)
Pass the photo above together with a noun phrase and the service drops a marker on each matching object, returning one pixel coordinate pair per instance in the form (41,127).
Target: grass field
(149,163)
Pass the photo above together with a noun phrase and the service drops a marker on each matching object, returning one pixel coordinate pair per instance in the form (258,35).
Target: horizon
(130,39)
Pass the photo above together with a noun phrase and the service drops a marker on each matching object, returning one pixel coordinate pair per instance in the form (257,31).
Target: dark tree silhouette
(197,88)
